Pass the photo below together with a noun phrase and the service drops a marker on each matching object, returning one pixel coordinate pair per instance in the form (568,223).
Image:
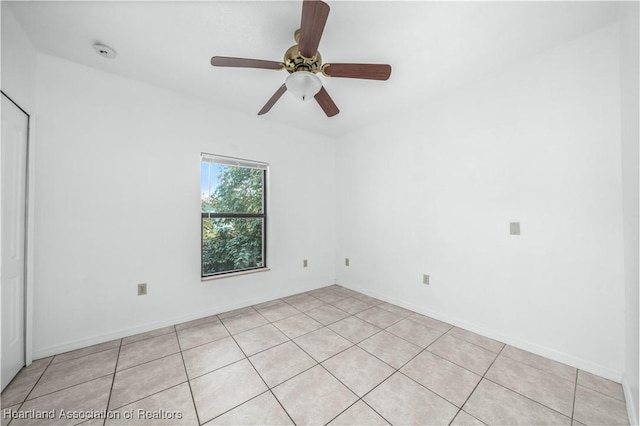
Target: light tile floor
(326,356)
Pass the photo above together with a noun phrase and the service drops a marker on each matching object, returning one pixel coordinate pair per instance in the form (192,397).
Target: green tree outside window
(233,228)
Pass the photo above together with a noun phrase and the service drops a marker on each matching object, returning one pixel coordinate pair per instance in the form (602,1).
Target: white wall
(433,191)
(118,203)
(629,73)
(18,62)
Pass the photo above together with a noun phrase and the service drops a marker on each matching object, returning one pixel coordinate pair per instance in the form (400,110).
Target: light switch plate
(142,289)
(514,228)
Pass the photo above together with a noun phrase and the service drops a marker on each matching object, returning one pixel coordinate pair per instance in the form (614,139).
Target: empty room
(319,212)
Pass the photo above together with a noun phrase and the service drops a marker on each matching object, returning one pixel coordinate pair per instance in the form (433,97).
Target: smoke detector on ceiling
(104,51)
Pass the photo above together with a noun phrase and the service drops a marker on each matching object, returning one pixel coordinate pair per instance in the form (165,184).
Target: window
(233,215)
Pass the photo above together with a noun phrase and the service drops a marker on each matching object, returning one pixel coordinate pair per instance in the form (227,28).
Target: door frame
(28,239)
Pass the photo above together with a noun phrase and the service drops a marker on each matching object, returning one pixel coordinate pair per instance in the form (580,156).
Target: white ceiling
(432,47)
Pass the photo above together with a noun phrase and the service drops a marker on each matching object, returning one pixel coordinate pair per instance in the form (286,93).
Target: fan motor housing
(294,61)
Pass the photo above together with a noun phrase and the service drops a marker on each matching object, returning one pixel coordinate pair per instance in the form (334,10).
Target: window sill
(234,274)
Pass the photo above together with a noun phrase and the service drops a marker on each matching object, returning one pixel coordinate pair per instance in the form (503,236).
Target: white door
(13,182)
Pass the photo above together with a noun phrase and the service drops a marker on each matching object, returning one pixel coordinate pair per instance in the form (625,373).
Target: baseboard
(130,331)
(632,403)
(544,351)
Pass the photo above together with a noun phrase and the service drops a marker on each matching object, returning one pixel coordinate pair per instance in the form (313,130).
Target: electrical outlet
(514,228)
(346,261)
(305,263)
(425,279)
(142,289)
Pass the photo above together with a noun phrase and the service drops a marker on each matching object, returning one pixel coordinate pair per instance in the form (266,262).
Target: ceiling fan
(303,61)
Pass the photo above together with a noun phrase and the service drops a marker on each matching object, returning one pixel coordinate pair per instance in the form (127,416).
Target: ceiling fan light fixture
(303,60)
(303,85)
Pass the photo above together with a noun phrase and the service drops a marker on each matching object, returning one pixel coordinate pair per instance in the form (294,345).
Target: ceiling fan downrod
(294,61)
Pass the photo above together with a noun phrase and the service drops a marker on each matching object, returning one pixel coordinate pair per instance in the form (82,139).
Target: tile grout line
(606,395)
(478,384)
(308,354)
(215,369)
(517,392)
(374,410)
(303,334)
(351,305)
(311,356)
(152,394)
(360,341)
(575,392)
(402,338)
(386,331)
(259,375)
(298,295)
(360,398)
(240,360)
(397,370)
(431,390)
(235,315)
(343,411)
(428,326)
(241,404)
(330,323)
(82,356)
(455,363)
(329,372)
(243,331)
(462,366)
(234,362)
(529,364)
(384,328)
(186,373)
(474,344)
(545,372)
(526,397)
(37,381)
(196,325)
(248,329)
(34,386)
(319,363)
(375,334)
(148,396)
(152,360)
(198,346)
(63,388)
(337,353)
(113,381)
(147,338)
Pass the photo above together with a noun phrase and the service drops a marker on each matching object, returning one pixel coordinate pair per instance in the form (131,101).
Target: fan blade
(271,102)
(368,71)
(225,61)
(314,16)
(326,103)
